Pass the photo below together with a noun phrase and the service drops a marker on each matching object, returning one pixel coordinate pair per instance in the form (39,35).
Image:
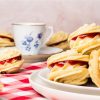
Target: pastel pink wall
(64,15)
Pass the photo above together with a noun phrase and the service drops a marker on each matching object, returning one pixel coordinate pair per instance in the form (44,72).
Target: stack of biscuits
(59,40)
(81,62)
(10,58)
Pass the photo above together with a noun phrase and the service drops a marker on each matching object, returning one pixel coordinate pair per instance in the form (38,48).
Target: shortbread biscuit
(63,45)
(6,40)
(57,38)
(10,60)
(85,39)
(94,67)
(76,76)
(68,56)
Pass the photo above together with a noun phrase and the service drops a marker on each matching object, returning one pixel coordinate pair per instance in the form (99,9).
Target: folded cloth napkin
(17,87)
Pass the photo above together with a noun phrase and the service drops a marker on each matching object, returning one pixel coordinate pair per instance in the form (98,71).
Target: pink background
(64,15)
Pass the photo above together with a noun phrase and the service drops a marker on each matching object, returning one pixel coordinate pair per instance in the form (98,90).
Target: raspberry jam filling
(71,62)
(82,36)
(10,60)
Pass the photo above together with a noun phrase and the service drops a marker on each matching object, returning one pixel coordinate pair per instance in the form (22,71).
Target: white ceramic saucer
(53,93)
(44,53)
(49,50)
(88,89)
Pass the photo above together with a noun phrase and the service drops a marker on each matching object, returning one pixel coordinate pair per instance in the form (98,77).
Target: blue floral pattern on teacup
(36,44)
(27,42)
(29,39)
(39,36)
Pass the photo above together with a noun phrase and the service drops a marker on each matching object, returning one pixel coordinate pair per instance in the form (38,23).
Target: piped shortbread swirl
(85,39)
(10,60)
(94,67)
(69,67)
(6,40)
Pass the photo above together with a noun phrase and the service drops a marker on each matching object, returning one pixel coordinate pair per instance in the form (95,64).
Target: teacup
(30,37)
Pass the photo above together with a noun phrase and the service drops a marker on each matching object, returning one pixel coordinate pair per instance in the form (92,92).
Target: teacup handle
(49,32)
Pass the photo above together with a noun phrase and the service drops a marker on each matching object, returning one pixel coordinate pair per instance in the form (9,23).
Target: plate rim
(38,84)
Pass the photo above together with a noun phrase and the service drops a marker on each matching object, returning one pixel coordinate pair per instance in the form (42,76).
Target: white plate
(55,94)
(44,53)
(88,89)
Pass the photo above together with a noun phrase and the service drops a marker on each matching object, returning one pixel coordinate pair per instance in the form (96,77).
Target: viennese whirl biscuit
(68,56)
(59,40)
(94,67)
(63,45)
(6,40)
(10,60)
(69,67)
(75,76)
(85,39)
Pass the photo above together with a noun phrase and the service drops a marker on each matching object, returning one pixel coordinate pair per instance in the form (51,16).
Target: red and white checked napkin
(17,87)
